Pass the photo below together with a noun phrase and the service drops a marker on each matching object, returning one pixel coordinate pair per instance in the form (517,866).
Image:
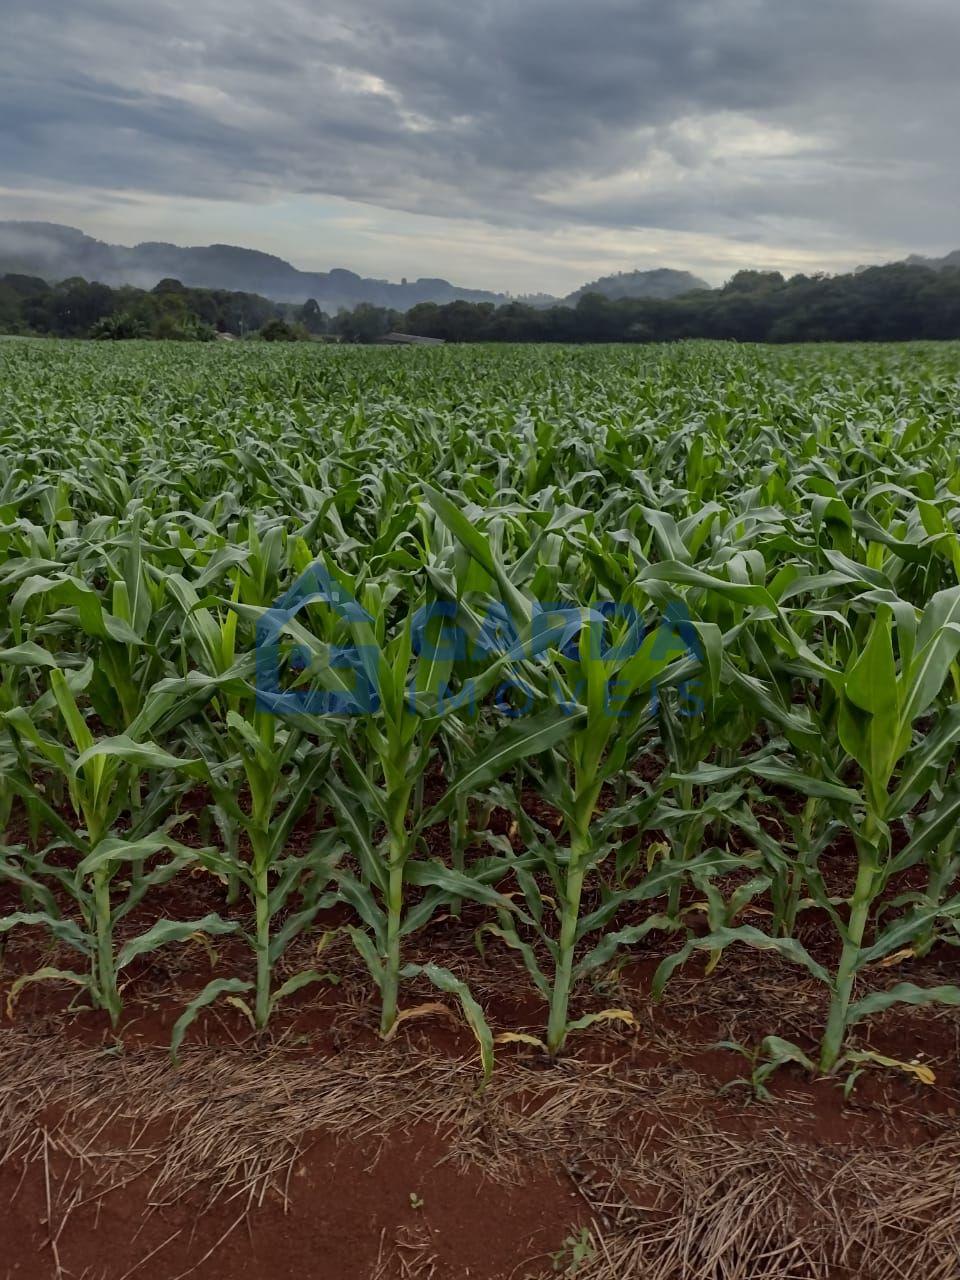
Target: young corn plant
(618,684)
(804,760)
(380,708)
(283,772)
(391,697)
(118,623)
(605,687)
(877,698)
(881,701)
(263,777)
(99,775)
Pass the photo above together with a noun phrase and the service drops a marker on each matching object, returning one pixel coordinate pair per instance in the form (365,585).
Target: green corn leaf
(788,948)
(368,953)
(457,884)
(27,654)
(47,974)
(297,983)
(63,930)
(142,754)
(902,993)
(445,981)
(165,932)
(678,574)
(508,934)
(938,824)
(604,952)
(210,993)
(524,738)
(924,762)
(930,669)
(117,850)
(479,548)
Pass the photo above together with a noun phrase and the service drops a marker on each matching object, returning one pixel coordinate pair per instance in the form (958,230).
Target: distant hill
(934,264)
(918,260)
(660,283)
(56,253)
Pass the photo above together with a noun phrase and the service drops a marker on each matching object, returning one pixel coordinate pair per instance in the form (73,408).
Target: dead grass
(671,1193)
(705,1205)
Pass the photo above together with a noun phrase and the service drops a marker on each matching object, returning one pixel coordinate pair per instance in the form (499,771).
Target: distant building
(408,340)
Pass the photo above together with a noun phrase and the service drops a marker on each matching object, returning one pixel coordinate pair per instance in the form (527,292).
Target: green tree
(311,317)
(277,330)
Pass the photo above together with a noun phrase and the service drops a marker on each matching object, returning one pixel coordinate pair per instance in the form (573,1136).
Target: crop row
(703,602)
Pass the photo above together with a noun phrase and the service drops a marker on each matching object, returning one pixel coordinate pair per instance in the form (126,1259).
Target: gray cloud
(829,123)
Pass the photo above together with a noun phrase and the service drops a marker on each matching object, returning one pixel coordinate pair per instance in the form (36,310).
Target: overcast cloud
(511,143)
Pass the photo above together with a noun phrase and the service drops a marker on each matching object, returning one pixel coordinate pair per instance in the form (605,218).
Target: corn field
(701,602)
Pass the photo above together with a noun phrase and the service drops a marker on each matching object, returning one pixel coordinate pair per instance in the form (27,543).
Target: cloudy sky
(516,144)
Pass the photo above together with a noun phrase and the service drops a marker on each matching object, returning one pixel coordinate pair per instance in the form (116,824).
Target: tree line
(892,303)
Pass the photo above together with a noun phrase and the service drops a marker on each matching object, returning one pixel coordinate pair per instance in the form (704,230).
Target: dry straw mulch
(670,1193)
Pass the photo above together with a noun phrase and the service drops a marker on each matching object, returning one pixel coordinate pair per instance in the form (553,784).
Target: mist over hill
(56,252)
(934,264)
